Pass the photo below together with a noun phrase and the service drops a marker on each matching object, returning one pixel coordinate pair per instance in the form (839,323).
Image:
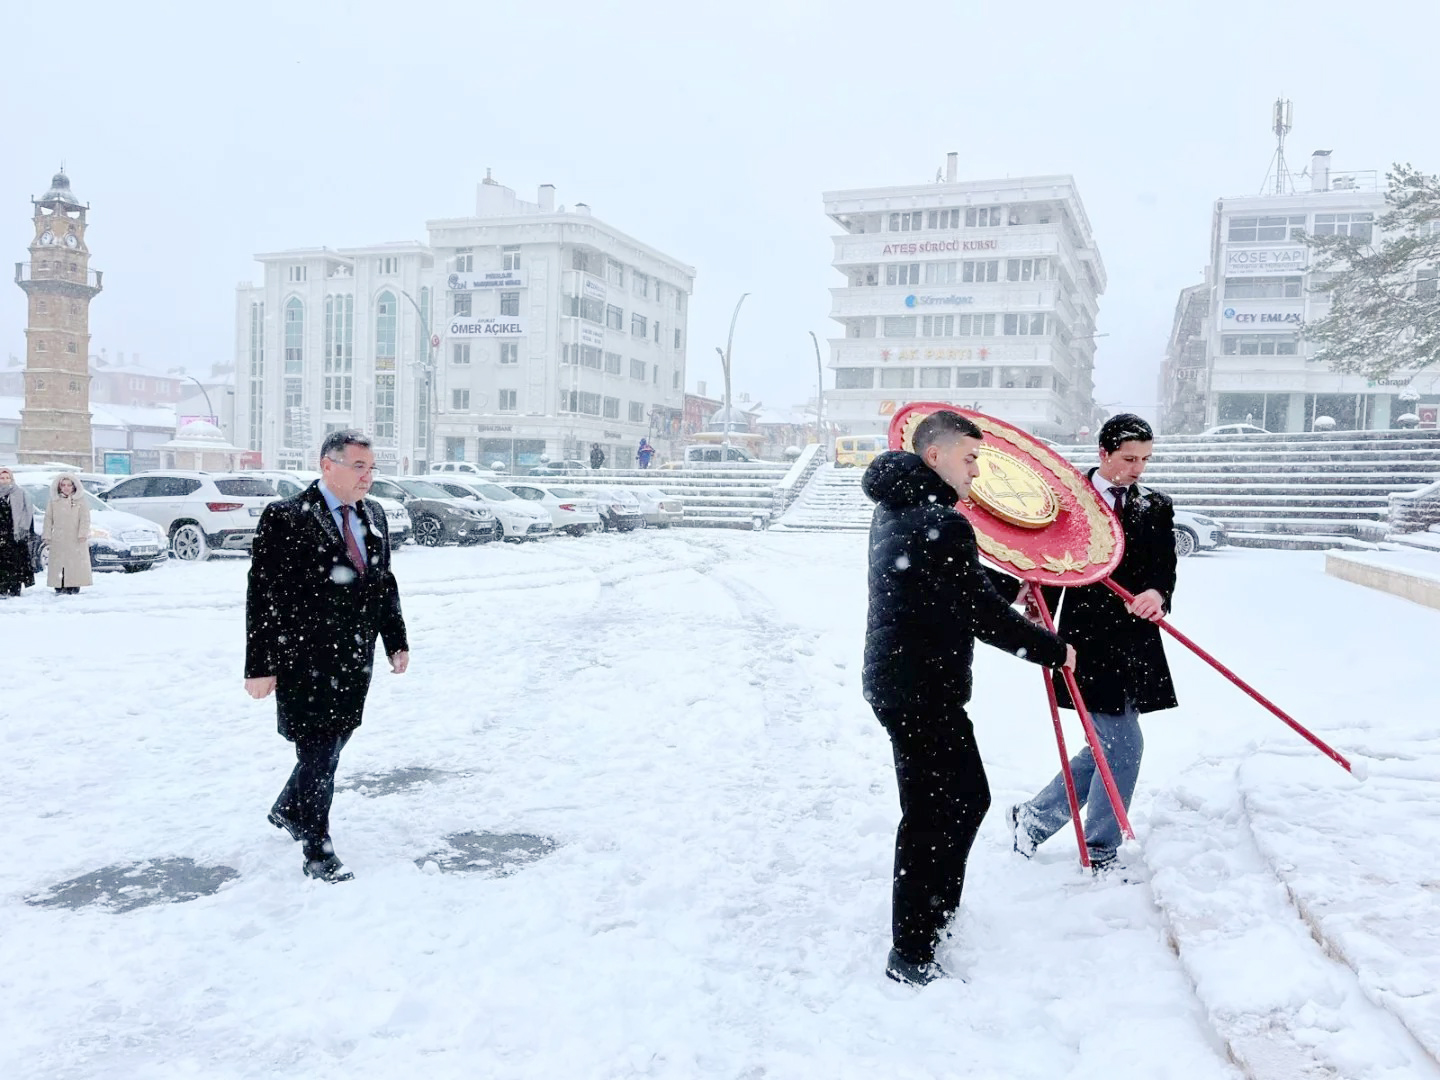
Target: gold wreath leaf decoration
(1066,564)
(1005,554)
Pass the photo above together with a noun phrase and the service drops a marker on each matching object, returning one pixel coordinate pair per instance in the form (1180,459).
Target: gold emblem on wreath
(1013,491)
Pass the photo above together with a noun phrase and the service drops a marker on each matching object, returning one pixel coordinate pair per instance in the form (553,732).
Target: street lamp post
(819,396)
(725,365)
(429,381)
(209,408)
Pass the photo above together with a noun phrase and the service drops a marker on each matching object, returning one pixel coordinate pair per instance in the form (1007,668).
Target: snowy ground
(681,713)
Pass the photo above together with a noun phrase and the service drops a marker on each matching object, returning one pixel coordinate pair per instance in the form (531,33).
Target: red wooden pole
(1091,735)
(1065,768)
(1314,740)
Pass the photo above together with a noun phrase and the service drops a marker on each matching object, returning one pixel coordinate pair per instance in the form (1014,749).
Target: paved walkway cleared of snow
(679,712)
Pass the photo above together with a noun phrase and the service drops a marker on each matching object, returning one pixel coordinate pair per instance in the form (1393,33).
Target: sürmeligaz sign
(464,327)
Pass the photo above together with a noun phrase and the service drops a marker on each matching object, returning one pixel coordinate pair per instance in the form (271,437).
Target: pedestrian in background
(17,526)
(67,535)
(597,456)
(645,453)
(321,592)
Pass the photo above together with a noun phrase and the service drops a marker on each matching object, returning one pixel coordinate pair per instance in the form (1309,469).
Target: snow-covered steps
(1412,574)
(1269,983)
(831,501)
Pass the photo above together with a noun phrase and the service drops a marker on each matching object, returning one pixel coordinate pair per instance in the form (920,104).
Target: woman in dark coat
(17,518)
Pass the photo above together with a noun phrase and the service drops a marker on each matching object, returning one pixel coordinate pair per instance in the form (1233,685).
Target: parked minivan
(852,451)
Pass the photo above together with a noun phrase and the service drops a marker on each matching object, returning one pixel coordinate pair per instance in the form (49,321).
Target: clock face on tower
(47,237)
(70,240)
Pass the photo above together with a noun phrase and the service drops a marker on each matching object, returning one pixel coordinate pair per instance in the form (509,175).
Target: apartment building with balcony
(980,293)
(1262,293)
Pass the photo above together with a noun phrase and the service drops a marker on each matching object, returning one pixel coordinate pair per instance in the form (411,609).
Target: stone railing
(788,490)
(1415,511)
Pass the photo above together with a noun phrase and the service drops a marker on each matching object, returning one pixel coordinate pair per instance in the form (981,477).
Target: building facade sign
(1243,262)
(464,327)
(1261,320)
(927,301)
(593,289)
(936,247)
(592,335)
(500,279)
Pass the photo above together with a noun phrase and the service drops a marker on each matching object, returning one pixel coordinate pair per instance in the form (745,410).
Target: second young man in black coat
(929,600)
(1122,671)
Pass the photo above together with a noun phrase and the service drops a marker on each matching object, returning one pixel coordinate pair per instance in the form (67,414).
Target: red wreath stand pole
(1314,740)
(1065,768)
(1091,736)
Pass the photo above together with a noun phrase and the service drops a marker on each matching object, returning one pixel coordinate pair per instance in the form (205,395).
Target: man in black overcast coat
(929,600)
(1122,671)
(320,593)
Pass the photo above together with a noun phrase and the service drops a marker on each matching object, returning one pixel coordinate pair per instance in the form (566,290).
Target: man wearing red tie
(1121,670)
(320,593)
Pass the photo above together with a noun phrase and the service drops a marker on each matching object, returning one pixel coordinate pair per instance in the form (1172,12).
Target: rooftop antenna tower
(1282,117)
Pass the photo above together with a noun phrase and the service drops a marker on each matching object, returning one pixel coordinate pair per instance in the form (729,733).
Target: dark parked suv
(439,517)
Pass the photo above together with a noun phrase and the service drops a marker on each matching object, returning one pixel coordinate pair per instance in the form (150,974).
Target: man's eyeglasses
(359,468)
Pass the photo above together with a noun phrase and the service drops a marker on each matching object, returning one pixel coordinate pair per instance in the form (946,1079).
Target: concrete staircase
(1298,490)
(720,496)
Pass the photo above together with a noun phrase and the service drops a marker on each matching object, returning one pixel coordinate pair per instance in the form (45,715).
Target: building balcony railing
(25,271)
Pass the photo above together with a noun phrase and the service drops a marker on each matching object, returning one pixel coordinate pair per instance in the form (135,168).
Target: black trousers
(943,798)
(311,788)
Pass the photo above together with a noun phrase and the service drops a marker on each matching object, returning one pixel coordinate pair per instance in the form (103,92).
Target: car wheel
(1185,542)
(429,532)
(575,530)
(189,543)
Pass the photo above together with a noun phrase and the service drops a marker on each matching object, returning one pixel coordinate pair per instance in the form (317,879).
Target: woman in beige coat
(67,533)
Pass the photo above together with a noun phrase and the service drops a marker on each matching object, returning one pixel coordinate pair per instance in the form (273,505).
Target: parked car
(858,451)
(200,512)
(571,510)
(118,541)
(618,509)
(397,518)
(1196,532)
(461,468)
(698,457)
(1235,429)
(520,520)
(659,509)
(561,468)
(95,483)
(438,517)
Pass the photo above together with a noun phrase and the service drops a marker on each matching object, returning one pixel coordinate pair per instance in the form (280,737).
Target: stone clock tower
(59,284)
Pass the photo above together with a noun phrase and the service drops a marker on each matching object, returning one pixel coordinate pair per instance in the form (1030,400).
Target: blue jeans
(1123,744)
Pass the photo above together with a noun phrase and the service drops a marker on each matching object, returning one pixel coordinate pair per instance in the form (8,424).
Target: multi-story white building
(977,293)
(1258,365)
(520,333)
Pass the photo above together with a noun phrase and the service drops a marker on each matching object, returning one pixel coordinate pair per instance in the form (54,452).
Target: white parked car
(118,541)
(569,509)
(200,512)
(619,510)
(1196,532)
(660,509)
(521,520)
(461,468)
(1235,429)
(397,518)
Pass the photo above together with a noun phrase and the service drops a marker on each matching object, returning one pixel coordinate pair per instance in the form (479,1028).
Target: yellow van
(859,450)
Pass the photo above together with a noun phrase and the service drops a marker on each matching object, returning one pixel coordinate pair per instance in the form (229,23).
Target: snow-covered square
(628,815)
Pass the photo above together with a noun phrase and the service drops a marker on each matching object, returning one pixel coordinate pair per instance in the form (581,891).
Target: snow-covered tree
(1385,314)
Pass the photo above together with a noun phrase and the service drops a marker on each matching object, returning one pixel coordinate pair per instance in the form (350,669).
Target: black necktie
(1119,494)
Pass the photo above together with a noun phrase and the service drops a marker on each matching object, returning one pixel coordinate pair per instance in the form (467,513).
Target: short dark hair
(1122,428)
(942,425)
(335,443)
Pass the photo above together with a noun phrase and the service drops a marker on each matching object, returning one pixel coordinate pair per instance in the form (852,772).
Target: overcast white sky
(201,134)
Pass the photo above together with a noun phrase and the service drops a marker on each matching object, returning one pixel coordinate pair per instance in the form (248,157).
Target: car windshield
(566,493)
(423,489)
(496,492)
(40,497)
(244,485)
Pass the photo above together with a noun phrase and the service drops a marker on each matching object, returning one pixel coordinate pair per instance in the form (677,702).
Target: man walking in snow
(929,600)
(320,593)
(1122,671)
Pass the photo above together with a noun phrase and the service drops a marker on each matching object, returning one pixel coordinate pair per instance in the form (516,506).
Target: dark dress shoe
(911,972)
(329,869)
(280,821)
